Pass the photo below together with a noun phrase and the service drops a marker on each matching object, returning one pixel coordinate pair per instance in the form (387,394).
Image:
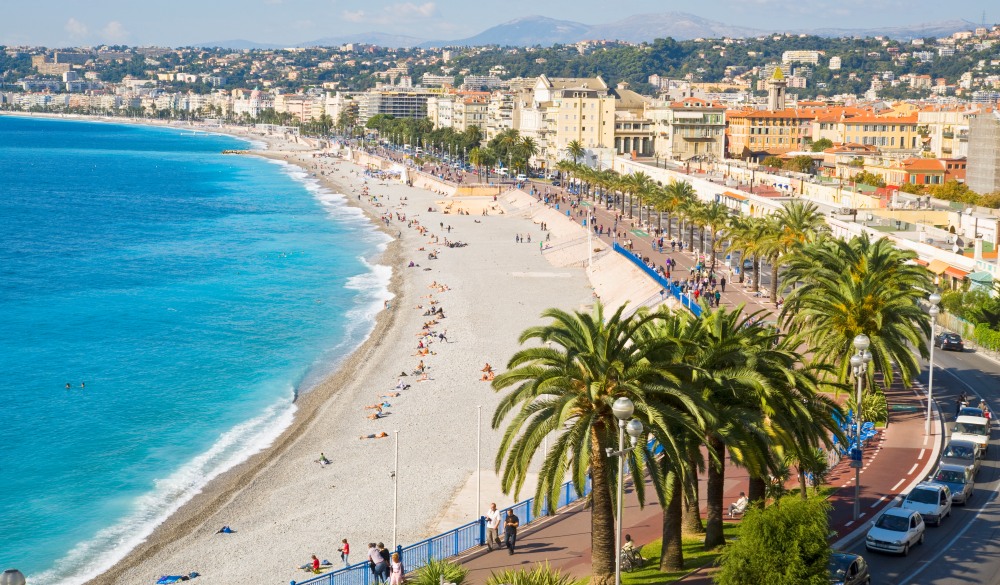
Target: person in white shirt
(492,526)
(739,506)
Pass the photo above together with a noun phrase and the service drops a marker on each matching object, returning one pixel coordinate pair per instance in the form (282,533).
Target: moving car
(959,452)
(848,569)
(932,500)
(959,480)
(952,341)
(895,531)
(522,178)
(974,411)
(972,428)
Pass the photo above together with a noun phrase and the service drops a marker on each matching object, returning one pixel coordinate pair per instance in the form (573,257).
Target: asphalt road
(966,547)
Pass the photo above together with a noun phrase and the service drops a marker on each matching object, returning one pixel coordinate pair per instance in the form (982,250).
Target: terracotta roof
(923,164)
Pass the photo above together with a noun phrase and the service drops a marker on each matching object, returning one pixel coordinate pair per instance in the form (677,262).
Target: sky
(67,23)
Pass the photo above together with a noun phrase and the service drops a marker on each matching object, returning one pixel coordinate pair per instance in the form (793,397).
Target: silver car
(960,452)
(958,478)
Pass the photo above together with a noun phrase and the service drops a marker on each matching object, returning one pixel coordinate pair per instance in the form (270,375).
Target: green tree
(867,178)
(575,150)
(773,162)
(565,385)
(859,286)
(780,545)
(953,191)
(800,164)
(822,144)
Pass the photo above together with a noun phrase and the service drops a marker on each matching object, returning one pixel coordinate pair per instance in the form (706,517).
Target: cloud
(393,13)
(353,15)
(411,10)
(75,28)
(114,32)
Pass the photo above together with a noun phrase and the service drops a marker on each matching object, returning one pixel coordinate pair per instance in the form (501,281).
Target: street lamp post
(934,299)
(623,409)
(395,487)
(859,362)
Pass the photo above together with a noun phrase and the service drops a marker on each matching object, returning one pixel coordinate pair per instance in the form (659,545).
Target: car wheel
(921,541)
(906,549)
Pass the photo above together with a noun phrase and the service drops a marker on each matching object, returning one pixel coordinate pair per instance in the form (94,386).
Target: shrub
(540,575)
(873,406)
(431,573)
(780,545)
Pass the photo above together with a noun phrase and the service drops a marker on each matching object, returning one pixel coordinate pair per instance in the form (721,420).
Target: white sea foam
(92,557)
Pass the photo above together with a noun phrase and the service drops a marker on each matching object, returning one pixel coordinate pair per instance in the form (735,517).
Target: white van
(522,178)
(972,428)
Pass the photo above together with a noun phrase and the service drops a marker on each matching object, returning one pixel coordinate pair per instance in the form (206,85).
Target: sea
(162,306)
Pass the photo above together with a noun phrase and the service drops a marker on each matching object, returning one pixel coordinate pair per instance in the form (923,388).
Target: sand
(285,506)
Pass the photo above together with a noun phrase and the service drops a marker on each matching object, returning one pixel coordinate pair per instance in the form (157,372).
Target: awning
(982,277)
(956,272)
(937,266)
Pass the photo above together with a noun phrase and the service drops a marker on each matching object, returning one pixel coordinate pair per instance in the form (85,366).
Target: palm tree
(748,237)
(575,150)
(715,216)
(526,149)
(676,194)
(691,211)
(566,385)
(846,288)
(796,223)
(639,185)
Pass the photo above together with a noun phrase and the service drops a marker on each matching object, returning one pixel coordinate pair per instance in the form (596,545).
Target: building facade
(983,173)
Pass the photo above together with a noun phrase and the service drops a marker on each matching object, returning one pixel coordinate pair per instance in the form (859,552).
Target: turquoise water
(193,293)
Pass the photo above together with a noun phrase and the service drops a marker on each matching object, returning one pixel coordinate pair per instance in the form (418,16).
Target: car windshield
(970,428)
(952,337)
(960,452)
(923,496)
(894,523)
(950,476)
(838,566)
(970,411)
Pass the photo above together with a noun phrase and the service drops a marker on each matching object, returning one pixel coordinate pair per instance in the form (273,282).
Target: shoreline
(278,495)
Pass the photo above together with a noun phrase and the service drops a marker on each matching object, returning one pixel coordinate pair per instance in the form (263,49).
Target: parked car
(952,341)
(975,411)
(959,480)
(747,265)
(556,183)
(522,178)
(932,500)
(972,428)
(848,569)
(959,452)
(896,531)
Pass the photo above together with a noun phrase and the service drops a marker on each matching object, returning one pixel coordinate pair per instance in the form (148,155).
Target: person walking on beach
(510,530)
(345,552)
(492,528)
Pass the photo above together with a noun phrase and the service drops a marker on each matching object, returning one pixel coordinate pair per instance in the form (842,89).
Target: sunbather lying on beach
(377,407)
(381,435)
(376,415)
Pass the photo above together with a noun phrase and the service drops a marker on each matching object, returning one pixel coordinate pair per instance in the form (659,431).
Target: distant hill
(237,45)
(680,26)
(524,32)
(541,30)
(902,33)
(368,38)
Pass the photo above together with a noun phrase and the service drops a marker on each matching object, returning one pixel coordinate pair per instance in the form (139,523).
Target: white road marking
(912,469)
(879,501)
(895,487)
(921,455)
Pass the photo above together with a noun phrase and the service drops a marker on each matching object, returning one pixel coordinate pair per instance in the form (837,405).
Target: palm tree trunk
(602,536)
(756,491)
(671,549)
(803,488)
(714,536)
(692,510)
(774,280)
(755,279)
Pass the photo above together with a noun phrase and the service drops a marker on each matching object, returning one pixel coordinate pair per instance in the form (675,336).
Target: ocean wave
(92,557)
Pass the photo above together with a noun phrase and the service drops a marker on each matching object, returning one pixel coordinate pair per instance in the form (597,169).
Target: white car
(896,531)
(972,428)
(932,500)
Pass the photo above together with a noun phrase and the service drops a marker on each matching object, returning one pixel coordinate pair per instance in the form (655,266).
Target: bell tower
(776,90)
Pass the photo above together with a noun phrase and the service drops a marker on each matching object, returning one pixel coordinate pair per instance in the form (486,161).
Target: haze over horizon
(67,23)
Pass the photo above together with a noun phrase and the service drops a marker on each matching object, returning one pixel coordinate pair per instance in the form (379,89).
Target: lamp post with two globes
(623,409)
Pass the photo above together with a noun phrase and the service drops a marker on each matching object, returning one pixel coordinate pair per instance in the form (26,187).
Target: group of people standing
(385,566)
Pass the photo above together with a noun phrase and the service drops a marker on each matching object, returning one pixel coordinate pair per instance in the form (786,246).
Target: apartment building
(758,134)
(947,128)
(499,114)
(800,57)
(634,133)
(983,175)
(459,110)
(690,128)
(395,102)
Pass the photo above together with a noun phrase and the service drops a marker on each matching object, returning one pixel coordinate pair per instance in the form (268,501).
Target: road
(964,549)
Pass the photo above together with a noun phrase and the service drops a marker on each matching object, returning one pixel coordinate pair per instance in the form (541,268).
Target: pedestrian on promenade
(722,283)
(345,552)
(386,559)
(510,530)
(718,297)
(493,527)
(396,574)
(375,562)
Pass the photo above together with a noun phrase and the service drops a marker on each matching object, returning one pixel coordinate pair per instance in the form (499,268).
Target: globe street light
(859,363)
(934,299)
(12,577)
(623,409)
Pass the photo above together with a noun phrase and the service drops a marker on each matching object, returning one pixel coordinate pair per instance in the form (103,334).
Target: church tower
(776,91)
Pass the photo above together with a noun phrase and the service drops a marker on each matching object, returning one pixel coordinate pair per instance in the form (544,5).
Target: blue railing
(668,286)
(446,545)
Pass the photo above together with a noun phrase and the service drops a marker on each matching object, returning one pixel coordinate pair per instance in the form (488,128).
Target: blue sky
(60,23)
